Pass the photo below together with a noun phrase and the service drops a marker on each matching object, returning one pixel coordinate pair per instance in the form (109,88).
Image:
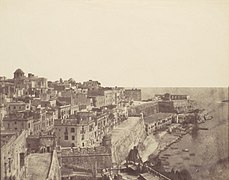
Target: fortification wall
(123,138)
(87,158)
(129,134)
(147,108)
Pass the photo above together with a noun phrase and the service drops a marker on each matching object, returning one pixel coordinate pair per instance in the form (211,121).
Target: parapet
(69,151)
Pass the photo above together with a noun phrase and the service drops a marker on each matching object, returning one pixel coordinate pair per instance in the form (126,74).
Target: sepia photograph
(114,89)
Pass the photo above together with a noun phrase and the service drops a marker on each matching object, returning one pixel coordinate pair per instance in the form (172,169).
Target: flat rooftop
(156,117)
(138,103)
(124,128)
(6,132)
(38,165)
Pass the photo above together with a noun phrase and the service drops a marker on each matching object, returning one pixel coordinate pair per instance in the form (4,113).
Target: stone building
(8,89)
(84,129)
(92,85)
(64,110)
(3,112)
(19,74)
(98,101)
(166,106)
(70,132)
(13,157)
(170,97)
(18,106)
(147,108)
(173,103)
(109,97)
(132,94)
(19,121)
(40,143)
(73,98)
(6,135)
(49,103)
(157,121)
(105,96)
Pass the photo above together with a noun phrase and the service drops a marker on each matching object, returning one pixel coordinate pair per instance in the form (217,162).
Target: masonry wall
(11,163)
(147,109)
(131,138)
(133,94)
(166,106)
(87,158)
(2,114)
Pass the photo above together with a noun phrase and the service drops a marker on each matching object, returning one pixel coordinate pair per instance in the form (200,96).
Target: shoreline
(167,139)
(164,141)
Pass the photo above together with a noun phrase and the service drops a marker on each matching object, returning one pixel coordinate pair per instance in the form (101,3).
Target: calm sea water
(207,147)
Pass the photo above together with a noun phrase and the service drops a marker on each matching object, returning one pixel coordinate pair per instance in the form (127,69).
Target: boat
(174,147)
(207,117)
(192,154)
(185,150)
(167,154)
(186,158)
(202,128)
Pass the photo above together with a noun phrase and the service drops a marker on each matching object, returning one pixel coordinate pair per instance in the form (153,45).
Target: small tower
(18,74)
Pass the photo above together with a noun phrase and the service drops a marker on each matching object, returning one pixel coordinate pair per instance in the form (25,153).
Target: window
(82,138)
(15,122)
(82,131)
(83,144)
(91,127)
(73,137)
(65,137)
(22,159)
(15,129)
(72,130)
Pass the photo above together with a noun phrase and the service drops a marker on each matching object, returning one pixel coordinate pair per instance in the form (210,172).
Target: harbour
(201,150)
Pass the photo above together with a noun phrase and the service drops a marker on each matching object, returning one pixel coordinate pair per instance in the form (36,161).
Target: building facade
(13,156)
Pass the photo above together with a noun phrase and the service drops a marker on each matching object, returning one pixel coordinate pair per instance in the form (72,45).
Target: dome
(18,71)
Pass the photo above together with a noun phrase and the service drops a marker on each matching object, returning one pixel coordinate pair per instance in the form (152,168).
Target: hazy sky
(118,42)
